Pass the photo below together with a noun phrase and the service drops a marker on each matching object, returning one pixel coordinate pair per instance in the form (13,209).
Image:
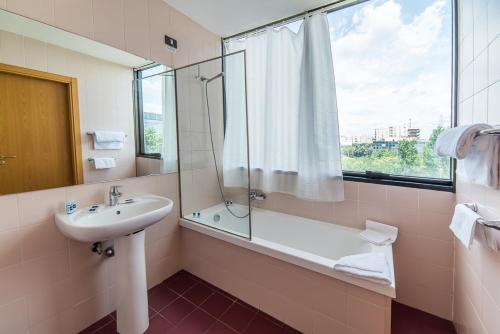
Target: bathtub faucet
(257,195)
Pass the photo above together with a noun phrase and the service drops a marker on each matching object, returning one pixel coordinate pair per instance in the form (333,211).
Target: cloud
(389,69)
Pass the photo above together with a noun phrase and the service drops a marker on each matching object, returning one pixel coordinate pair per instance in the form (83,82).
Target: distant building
(350,140)
(385,145)
(414,133)
(396,133)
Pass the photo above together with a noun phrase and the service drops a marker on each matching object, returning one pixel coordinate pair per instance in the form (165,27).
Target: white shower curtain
(169,144)
(292,113)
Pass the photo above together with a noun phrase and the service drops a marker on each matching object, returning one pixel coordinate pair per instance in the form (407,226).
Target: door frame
(73,107)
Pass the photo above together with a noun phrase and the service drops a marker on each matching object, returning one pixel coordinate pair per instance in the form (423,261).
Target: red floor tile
(198,293)
(108,329)
(238,316)
(159,325)
(407,320)
(161,296)
(97,325)
(177,311)
(289,330)
(263,325)
(219,328)
(181,282)
(196,323)
(216,304)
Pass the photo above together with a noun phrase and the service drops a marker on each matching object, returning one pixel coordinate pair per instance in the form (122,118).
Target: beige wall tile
(40,206)
(159,26)
(104,13)
(9,211)
(10,252)
(13,317)
(137,27)
(372,193)
(402,197)
(13,283)
(40,10)
(41,240)
(74,16)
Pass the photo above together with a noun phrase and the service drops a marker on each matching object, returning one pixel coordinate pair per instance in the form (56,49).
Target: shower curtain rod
(323,9)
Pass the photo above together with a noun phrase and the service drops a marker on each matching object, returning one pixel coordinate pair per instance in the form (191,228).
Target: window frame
(448,185)
(139,114)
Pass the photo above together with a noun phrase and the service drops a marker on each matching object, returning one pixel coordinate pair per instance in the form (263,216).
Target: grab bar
(495,224)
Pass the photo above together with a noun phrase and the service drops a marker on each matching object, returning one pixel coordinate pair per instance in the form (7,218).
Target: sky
(392,61)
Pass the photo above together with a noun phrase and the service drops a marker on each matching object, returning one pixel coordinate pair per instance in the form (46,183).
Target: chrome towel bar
(490,132)
(91,133)
(495,224)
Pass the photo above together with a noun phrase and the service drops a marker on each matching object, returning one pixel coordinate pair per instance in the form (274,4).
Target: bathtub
(304,242)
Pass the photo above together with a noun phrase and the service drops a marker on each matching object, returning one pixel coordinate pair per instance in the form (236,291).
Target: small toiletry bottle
(70,207)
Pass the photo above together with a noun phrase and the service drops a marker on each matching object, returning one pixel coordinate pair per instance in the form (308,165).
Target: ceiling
(229,17)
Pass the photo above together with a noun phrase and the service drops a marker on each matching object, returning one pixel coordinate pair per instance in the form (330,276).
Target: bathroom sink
(111,222)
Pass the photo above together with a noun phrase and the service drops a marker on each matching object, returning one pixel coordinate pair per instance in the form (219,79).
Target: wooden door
(36,131)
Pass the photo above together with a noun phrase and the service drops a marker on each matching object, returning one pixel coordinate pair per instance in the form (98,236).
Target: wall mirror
(75,111)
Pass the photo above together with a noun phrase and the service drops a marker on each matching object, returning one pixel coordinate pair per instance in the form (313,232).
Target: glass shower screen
(213,143)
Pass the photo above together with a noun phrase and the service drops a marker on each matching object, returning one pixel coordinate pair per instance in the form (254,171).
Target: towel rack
(490,132)
(91,133)
(495,224)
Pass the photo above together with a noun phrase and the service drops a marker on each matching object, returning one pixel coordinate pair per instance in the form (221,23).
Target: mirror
(75,111)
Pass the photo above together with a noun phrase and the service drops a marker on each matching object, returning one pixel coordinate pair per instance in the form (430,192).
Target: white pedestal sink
(125,224)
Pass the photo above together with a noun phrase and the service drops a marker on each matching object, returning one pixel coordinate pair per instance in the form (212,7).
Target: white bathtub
(308,243)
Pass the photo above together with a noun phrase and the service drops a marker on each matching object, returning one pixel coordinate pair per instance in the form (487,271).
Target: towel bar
(491,132)
(91,133)
(495,224)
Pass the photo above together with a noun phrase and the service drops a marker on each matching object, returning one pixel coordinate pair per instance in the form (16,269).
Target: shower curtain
(294,144)
(169,144)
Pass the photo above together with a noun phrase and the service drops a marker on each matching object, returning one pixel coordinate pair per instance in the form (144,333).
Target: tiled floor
(407,320)
(186,304)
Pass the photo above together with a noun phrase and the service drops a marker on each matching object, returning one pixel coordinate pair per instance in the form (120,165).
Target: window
(393,63)
(395,87)
(149,109)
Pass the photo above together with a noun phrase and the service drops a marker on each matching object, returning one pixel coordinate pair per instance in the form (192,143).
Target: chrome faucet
(114,195)
(257,195)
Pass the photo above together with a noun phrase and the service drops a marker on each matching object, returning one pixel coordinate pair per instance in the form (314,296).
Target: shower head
(207,80)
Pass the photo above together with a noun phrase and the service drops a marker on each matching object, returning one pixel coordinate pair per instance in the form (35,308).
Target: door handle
(3,157)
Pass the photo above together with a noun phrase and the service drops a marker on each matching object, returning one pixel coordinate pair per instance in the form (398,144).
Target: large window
(393,63)
(149,110)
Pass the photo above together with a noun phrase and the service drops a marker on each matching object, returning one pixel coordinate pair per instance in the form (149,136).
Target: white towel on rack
(456,142)
(379,234)
(104,163)
(369,266)
(463,224)
(480,166)
(108,140)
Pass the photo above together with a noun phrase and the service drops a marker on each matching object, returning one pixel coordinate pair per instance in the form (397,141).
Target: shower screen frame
(224,107)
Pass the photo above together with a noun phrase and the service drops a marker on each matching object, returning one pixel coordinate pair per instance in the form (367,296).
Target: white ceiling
(229,17)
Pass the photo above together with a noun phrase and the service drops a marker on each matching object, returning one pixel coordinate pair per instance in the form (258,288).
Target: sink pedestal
(131,294)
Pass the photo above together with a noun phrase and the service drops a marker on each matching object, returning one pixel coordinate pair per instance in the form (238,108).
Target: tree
(152,140)
(408,152)
(362,150)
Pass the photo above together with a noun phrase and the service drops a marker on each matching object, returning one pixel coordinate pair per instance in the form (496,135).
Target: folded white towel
(369,266)
(104,163)
(379,234)
(480,166)
(463,224)
(456,142)
(108,140)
